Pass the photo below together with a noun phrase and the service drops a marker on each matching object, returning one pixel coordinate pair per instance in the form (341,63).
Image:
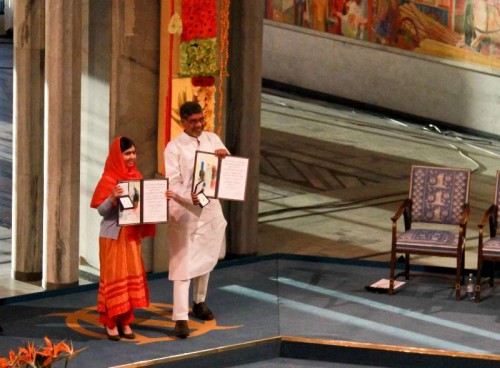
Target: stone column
(243,117)
(135,61)
(27,193)
(62,143)
(96,54)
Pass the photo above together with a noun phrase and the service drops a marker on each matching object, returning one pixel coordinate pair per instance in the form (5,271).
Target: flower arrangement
(199,19)
(198,57)
(37,357)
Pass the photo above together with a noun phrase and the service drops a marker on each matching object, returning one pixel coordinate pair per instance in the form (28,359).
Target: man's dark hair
(189,108)
(126,143)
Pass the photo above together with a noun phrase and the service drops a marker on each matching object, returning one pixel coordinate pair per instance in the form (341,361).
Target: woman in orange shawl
(122,284)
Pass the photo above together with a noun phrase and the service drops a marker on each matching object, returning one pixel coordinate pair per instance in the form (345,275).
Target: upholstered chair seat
(492,247)
(425,240)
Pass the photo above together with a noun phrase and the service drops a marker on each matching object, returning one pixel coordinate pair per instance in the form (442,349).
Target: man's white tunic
(196,235)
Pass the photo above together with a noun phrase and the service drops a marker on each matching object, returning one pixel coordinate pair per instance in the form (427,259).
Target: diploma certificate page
(233,178)
(154,201)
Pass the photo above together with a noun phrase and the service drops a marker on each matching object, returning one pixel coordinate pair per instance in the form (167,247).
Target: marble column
(63,41)
(243,117)
(27,193)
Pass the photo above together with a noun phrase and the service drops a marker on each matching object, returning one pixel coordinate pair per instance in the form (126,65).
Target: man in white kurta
(196,235)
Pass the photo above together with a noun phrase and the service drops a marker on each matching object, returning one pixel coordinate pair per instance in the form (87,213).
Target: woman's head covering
(115,170)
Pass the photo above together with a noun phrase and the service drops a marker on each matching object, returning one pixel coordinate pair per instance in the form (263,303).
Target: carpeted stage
(277,311)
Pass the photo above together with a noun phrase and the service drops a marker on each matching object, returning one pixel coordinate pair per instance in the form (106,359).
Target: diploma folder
(143,202)
(382,286)
(220,178)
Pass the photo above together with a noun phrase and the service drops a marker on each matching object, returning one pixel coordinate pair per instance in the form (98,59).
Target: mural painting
(462,30)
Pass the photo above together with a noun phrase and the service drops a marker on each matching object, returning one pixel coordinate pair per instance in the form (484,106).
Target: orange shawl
(114,170)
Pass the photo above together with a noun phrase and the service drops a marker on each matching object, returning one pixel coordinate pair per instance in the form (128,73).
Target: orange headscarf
(115,170)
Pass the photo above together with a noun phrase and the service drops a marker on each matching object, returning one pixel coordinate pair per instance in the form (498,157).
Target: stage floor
(320,299)
(330,178)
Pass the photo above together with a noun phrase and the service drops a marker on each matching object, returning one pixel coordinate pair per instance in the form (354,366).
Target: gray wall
(444,91)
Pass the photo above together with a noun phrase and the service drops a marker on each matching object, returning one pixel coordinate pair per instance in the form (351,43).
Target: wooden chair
(438,195)
(489,250)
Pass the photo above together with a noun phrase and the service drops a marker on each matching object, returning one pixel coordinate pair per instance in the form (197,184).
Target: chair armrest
(406,203)
(463,222)
(465,215)
(488,217)
(489,212)
(402,209)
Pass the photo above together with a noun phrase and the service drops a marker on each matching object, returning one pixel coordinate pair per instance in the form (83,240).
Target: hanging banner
(193,60)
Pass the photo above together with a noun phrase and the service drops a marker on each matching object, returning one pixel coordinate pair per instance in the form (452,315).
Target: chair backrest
(438,194)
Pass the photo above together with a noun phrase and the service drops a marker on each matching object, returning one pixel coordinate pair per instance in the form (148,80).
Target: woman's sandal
(110,336)
(128,336)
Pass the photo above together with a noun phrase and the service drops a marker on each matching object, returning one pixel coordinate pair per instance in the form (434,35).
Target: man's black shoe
(181,329)
(201,311)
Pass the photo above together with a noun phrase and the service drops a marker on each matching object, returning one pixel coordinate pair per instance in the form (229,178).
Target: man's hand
(221,153)
(194,198)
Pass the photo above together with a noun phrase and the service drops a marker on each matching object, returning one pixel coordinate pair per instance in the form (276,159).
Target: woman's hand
(169,194)
(115,193)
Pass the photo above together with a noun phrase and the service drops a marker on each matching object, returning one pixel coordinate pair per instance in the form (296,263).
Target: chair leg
(458,285)
(492,278)
(392,273)
(407,266)
(462,271)
(477,296)
(459,277)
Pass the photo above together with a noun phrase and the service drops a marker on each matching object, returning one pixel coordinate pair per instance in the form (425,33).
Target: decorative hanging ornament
(175,24)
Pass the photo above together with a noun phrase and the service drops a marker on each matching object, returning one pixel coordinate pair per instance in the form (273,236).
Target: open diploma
(154,202)
(232,182)
(150,204)
(220,178)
